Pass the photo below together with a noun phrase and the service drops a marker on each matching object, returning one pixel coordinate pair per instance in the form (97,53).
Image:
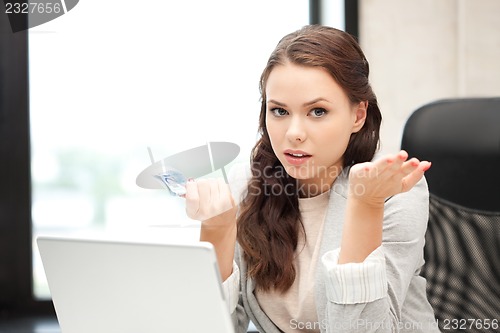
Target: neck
(319,184)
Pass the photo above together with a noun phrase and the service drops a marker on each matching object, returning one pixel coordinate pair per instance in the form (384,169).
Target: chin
(300,173)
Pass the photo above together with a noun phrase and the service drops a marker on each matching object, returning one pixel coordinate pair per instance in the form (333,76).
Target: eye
(318,112)
(279,112)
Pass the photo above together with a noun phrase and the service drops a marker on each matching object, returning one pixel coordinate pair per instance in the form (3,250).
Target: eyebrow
(316,100)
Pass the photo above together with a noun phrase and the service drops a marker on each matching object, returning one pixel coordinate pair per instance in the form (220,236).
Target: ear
(360,116)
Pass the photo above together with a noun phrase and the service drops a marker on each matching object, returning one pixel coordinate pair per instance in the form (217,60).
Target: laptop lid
(106,286)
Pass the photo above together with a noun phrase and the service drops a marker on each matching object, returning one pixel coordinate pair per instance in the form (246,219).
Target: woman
(324,239)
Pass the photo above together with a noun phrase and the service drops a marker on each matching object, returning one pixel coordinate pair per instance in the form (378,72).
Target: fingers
(392,163)
(192,199)
(398,164)
(410,171)
(207,198)
(389,175)
(413,177)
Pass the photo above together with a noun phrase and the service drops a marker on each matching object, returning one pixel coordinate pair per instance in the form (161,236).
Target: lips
(296,157)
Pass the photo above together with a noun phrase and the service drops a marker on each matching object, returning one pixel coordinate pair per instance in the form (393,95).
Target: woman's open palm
(373,182)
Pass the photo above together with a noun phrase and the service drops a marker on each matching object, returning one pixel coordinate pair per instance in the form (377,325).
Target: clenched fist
(210,201)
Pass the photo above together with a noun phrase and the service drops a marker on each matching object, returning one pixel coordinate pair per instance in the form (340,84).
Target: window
(110,79)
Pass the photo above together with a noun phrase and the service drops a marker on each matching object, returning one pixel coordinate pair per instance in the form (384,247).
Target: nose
(296,131)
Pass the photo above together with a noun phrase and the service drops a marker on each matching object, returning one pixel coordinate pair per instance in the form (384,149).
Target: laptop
(116,286)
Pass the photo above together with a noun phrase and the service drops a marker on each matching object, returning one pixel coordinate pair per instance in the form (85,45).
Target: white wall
(421,51)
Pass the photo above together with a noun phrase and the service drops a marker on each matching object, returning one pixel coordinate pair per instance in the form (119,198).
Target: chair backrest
(461,137)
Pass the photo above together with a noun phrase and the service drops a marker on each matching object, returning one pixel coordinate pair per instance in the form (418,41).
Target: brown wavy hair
(269,220)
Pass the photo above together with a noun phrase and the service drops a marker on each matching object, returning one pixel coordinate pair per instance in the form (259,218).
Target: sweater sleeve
(232,294)
(231,288)
(369,296)
(354,283)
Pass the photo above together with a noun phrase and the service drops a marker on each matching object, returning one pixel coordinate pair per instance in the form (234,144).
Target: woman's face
(310,119)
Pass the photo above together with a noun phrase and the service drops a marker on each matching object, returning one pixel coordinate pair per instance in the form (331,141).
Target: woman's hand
(210,201)
(373,182)
(370,184)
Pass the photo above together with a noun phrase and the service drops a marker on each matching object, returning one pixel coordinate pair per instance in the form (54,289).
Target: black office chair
(461,137)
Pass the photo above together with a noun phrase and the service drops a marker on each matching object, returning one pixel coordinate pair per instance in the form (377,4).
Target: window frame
(16,294)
